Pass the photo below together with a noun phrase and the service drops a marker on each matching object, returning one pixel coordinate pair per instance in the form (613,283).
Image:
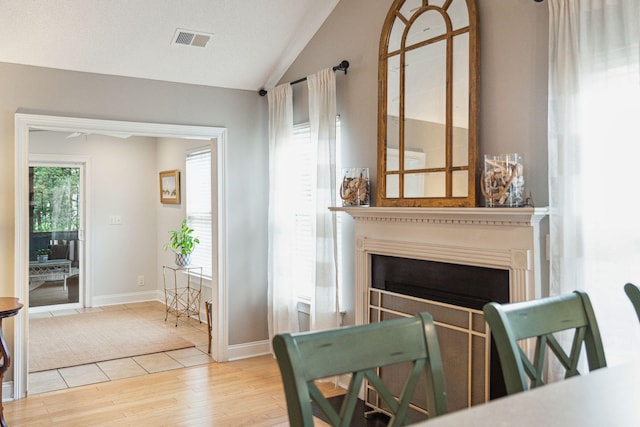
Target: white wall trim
(127,298)
(220,332)
(26,122)
(7,391)
(247,350)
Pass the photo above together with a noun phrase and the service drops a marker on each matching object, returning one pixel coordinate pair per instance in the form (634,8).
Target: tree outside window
(54,199)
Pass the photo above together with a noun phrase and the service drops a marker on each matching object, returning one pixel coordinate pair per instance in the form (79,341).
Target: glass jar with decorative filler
(503,181)
(355,189)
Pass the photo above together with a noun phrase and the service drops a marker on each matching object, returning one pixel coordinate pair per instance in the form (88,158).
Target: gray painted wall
(123,182)
(47,91)
(513,90)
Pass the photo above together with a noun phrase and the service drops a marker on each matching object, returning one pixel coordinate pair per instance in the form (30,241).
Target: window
(303,193)
(199,216)
(303,252)
(610,237)
(55,193)
(594,105)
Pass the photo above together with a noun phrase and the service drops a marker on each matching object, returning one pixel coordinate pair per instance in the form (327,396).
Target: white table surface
(608,397)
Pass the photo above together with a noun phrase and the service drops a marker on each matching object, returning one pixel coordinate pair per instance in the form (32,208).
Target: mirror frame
(473,97)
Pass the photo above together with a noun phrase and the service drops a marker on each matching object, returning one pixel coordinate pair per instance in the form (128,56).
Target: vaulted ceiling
(248,44)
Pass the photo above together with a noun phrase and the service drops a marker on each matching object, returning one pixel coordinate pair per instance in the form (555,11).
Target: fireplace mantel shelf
(463,216)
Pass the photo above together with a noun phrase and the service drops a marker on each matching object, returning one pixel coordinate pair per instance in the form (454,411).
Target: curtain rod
(343,66)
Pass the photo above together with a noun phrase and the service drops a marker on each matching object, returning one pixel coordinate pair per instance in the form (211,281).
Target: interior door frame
(84,164)
(26,122)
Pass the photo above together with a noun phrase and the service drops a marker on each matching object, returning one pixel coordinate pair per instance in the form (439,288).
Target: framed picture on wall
(170,187)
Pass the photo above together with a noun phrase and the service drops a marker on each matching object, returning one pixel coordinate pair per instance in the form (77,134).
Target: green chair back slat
(633,293)
(360,350)
(541,319)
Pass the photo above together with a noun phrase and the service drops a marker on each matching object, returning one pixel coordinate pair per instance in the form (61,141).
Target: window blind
(199,215)
(304,242)
(304,215)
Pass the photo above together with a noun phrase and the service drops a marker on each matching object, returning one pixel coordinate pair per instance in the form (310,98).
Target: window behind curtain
(198,189)
(303,194)
(609,110)
(594,105)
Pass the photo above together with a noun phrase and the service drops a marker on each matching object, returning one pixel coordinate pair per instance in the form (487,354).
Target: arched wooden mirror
(428,104)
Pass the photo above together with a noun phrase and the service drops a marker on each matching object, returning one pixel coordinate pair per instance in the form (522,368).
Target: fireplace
(403,286)
(450,262)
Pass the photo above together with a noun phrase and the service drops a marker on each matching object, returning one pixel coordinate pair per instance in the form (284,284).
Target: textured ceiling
(253,43)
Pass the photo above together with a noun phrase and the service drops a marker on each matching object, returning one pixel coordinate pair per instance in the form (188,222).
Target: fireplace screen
(454,295)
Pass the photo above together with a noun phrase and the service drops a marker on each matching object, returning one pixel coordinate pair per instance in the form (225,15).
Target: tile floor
(189,329)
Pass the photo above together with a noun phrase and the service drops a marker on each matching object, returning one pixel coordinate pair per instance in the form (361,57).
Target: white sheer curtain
(281,289)
(322,120)
(283,292)
(594,148)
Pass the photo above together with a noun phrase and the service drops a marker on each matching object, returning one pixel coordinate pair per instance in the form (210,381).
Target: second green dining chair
(541,319)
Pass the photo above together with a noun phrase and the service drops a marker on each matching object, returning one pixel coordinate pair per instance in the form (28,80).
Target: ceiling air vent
(191,38)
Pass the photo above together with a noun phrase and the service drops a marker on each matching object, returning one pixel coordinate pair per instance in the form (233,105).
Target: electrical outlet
(140,280)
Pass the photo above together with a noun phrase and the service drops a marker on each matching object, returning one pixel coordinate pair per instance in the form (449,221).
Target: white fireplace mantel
(463,216)
(513,239)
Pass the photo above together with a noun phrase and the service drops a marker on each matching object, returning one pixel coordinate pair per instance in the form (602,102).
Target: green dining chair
(633,293)
(540,319)
(359,351)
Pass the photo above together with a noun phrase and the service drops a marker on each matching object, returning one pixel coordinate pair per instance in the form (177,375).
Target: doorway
(24,124)
(56,234)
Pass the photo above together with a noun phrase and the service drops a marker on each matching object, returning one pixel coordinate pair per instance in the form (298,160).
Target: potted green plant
(42,254)
(182,243)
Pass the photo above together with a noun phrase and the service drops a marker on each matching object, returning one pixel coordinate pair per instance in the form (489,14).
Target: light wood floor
(240,393)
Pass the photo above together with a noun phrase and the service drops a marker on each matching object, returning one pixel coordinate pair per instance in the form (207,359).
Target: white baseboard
(127,298)
(247,350)
(7,391)
(131,298)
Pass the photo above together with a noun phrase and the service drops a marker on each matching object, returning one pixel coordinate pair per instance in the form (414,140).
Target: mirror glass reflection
(427,139)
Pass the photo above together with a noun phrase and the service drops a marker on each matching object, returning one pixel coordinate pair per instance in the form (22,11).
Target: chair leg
(208,307)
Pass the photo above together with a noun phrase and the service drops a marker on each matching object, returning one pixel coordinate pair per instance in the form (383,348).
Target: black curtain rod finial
(343,66)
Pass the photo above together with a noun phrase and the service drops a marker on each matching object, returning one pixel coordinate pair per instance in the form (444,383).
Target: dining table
(604,397)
